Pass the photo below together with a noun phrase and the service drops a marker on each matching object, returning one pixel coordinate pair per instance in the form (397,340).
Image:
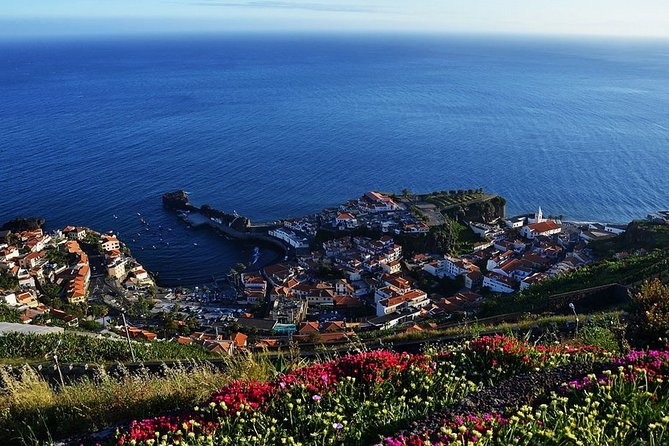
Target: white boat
(194,244)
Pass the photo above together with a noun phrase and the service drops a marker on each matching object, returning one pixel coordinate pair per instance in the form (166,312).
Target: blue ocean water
(283,126)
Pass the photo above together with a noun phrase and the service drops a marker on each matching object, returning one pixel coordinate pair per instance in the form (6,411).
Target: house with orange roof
(32,259)
(393,267)
(220,347)
(28,299)
(346,302)
(413,299)
(545,228)
(109,242)
(308,327)
(345,220)
(184,340)
(240,340)
(334,326)
(343,287)
(531,280)
(75,233)
(377,202)
(267,343)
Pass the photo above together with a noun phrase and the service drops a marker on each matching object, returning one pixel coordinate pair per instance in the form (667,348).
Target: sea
(94,131)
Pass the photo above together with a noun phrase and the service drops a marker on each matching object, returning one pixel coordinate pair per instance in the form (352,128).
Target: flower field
(396,399)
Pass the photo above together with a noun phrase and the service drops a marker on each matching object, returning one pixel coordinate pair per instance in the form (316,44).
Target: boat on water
(139,214)
(194,244)
(154,247)
(115,217)
(143,221)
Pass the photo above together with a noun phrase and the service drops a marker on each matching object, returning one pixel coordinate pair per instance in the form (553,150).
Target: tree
(99,311)
(652,315)
(51,294)
(8,282)
(55,256)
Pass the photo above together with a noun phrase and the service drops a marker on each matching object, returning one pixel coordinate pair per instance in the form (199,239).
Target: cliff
(486,210)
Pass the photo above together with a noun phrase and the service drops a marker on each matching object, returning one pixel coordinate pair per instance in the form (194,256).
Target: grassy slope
(84,349)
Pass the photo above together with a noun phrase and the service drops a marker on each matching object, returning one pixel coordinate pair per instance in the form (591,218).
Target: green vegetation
(606,329)
(35,411)
(8,282)
(651,315)
(8,314)
(640,234)
(58,257)
(92,350)
(627,271)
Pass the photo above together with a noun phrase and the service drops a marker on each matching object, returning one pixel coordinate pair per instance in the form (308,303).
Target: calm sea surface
(274,127)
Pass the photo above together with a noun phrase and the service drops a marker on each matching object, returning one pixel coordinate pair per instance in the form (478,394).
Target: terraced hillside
(492,390)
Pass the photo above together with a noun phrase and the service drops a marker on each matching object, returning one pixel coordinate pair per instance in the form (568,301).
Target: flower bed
(355,399)
(626,404)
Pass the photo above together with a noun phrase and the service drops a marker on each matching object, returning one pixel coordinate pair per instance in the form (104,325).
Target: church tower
(540,216)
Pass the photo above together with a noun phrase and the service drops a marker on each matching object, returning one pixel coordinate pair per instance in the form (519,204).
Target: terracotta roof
(309,327)
(240,339)
(544,226)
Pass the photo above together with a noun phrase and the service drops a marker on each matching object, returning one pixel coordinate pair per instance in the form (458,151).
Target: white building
(413,299)
(545,228)
(346,220)
(290,237)
(110,243)
(498,283)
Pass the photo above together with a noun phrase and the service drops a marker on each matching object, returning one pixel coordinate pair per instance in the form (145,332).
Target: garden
(491,390)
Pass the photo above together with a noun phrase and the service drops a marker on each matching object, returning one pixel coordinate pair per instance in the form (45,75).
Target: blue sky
(24,18)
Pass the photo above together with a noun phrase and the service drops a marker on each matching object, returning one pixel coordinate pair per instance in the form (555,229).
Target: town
(381,262)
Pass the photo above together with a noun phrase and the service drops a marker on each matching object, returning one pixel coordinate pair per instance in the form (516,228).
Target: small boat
(154,246)
(169,229)
(143,221)
(133,240)
(194,244)
(115,216)
(139,214)
(146,229)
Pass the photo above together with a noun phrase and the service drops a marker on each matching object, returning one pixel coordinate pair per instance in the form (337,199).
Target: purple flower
(337,425)
(316,397)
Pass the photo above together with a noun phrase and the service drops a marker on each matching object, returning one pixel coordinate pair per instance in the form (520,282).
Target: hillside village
(358,278)
(52,278)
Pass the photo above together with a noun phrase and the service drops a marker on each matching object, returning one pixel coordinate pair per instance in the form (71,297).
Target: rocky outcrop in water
(177,200)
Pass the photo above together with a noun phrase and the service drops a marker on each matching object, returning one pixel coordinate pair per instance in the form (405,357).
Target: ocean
(280,126)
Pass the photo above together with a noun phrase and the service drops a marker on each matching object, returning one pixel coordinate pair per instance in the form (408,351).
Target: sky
(30,18)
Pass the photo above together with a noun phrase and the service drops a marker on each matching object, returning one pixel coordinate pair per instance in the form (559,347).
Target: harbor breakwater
(230,225)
